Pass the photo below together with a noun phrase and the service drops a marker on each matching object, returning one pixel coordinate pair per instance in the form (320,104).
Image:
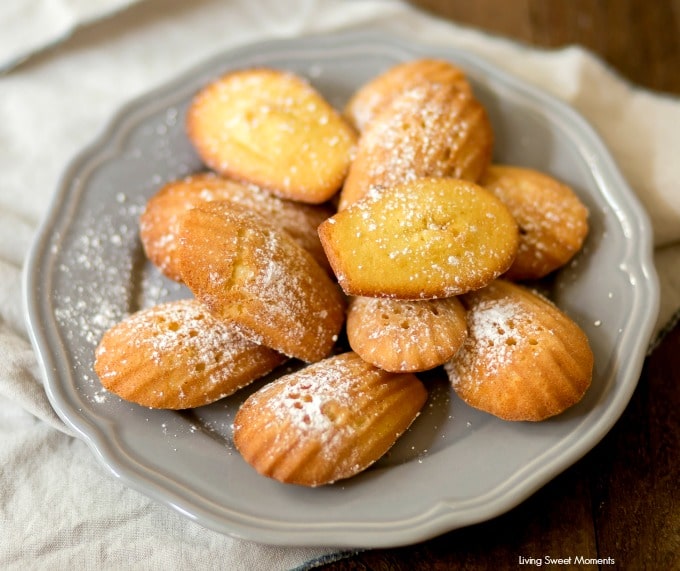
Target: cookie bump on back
(252,273)
(430,238)
(552,219)
(159,223)
(272,128)
(374,96)
(430,130)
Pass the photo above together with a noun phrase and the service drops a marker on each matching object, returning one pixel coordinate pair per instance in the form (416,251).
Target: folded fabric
(28,26)
(60,508)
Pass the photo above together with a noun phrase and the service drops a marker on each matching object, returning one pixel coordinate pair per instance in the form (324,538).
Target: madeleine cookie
(273,129)
(431,130)
(553,222)
(249,272)
(523,359)
(406,336)
(328,421)
(433,237)
(159,223)
(372,97)
(176,355)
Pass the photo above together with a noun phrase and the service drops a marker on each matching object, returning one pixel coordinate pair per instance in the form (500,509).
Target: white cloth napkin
(28,26)
(58,507)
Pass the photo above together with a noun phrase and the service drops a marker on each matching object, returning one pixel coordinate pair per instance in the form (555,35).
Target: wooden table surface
(621,500)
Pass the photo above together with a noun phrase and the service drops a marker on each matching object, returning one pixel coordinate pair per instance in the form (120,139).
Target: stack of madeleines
(387,221)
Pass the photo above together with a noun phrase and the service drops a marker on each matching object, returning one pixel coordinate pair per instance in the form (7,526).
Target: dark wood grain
(635,470)
(622,500)
(638,38)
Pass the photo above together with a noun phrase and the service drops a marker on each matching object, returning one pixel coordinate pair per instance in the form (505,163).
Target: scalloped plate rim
(442,516)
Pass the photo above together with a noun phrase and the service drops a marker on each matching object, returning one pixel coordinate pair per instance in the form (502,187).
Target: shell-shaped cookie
(249,272)
(406,336)
(272,128)
(431,238)
(523,359)
(328,421)
(373,96)
(159,223)
(176,355)
(552,220)
(431,130)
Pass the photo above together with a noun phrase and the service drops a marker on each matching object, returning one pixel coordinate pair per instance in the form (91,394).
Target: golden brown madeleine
(176,355)
(431,130)
(430,238)
(553,221)
(523,359)
(328,421)
(406,336)
(373,96)
(159,223)
(249,272)
(272,128)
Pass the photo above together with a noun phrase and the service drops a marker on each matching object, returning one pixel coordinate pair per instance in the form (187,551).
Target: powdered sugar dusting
(553,221)
(279,287)
(89,254)
(375,95)
(272,127)
(427,131)
(402,335)
(433,234)
(160,222)
(185,325)
(498,329)
(100,279)
(259,278)
(314,401)
(177,355)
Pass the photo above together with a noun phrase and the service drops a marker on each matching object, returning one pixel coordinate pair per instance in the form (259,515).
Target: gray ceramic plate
(455,466)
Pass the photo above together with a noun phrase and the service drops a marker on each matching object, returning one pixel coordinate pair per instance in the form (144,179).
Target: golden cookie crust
(176,355)
(326,422)
(523,359)
(273,129)
(249,272)
(375,95)
(553,221)
(430,130)
(406,336)
(431,238)
(159,223)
